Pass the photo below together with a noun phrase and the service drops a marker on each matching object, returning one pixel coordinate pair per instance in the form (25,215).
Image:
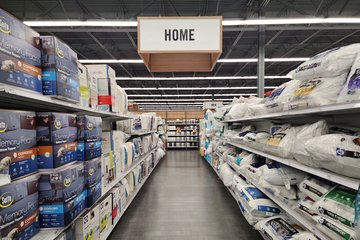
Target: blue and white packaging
(19,209)
(93,176)
(17,144)
(60,70)
(20,54)
(89,130)
(61,195)
(56,139)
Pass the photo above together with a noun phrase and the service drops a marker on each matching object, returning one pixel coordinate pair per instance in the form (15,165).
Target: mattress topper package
(315,188)
(330,63)
(338,204)
(339,153)
(316,92)
(351,90)
(333,229)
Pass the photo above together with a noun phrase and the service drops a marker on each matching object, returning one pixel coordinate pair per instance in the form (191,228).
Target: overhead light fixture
(235,94)
(176,103)
(266,21)
(104,61)
(192,95)
(179,100)
(196,88)
(196,78)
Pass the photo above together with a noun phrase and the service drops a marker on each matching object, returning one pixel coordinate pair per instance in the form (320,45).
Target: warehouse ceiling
(282,41)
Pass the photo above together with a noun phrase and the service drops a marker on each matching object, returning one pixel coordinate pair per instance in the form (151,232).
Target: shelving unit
(142,133)
(172,144)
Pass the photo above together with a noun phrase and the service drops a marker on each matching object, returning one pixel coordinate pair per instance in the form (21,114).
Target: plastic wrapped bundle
(351,90)
(316,92)
(333,229)
(330,63)
(339,153)
(280,228)
(252,220)
(278,174)
(280,143)
(315,188)
(131,182)
(260,140)
(237,180)
(255,202)
(307,132)
(239,136)
(306,207)
(129,153)
(245,158)
(239,110)
(227,174)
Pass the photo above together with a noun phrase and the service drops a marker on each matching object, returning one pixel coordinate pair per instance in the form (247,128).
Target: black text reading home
(179,35)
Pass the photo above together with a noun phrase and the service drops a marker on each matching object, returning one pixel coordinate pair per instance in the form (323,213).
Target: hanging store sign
(183,44)
(212,105)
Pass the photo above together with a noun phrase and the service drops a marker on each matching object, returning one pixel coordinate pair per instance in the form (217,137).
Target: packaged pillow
(339,205)
(339,153)
(245,158)
(281,141)
(330,63)
(238,110)
(237,180)
(305,133)
(316,92)
(306,206)
(257,109)
(227,174)
(315,188)
(351,90)
(255,202)
(334,230)
(278,174)
(252,220)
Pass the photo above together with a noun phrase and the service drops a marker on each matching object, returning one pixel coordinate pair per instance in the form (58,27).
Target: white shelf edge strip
(311,226)
(132,198)
(345,181)
(50,234)
(293,113)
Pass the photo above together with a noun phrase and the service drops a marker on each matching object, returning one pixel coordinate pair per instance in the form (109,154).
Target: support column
(261,57)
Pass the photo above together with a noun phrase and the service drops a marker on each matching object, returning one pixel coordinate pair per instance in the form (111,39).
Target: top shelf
(335,109)
(17,98)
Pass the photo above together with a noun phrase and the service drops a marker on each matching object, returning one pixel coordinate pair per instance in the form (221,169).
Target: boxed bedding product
(17,144)
(106,84)
(20,54)
(108,172)
(56,139)
(84,81)
(119,155)
(129,151)
(19,208)
(87,227)
(93,91)
(60,70)
(105,216)
(115,204)
(107,142)
(61,195)
(137,146)
(93,177)
(89,131)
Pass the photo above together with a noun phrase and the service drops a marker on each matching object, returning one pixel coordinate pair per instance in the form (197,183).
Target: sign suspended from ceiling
(180,44)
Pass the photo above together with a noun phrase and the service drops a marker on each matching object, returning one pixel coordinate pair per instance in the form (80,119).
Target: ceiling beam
(294,8)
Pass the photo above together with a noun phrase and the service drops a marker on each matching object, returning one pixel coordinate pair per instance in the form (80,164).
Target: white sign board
(212,105)
(202,34)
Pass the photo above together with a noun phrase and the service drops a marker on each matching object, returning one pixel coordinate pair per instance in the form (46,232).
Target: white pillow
(227,174)
(333,229)
(280,175)
(351,90)
(280,143)
(330,63)
(239,110)
(314,188)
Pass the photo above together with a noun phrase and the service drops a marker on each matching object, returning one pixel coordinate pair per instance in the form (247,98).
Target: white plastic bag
(239,110)
(315,188)
(278,174)
(351,90)
(330,63)
(227,174)
(339,153)
(316,92)
(333,229)
(280,143)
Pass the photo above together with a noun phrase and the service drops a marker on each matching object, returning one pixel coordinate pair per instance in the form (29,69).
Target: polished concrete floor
(183,200)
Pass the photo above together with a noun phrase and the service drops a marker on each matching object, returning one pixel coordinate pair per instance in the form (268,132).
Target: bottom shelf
(169,147)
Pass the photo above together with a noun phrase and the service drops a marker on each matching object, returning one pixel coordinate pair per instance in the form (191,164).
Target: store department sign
(212,105)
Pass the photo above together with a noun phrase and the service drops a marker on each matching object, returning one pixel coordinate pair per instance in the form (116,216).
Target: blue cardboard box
(19,208)
(61,195)
(92,180)
(89,129)
(60,71)
(20,54)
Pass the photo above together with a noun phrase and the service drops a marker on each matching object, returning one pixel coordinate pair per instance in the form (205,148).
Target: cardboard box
(106,84)
(17,144)
(89,131)
(84,80)
(105,216)
(107,142)
(19,208)
(61,195)
(116,204)
(92,181)
(20,54)
(87,227)
(60,71)
(56,139)
(108,172)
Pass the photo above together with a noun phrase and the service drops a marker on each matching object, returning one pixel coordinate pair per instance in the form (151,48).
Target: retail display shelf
(142,133)
(17,98)
(134,194)
(169,147)
(289,209)
(183,130)
(182,141)
(334,109)
(182,124)
(51,234)
(345,181)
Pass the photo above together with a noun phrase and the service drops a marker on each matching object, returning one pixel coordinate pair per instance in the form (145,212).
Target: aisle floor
(183,200)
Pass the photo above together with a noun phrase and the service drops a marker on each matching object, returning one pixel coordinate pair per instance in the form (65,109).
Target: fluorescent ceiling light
(266,21)
(235,94)
(192,95)
(179,100)
(160,104)
(103,61)
(196,78)
(195,88)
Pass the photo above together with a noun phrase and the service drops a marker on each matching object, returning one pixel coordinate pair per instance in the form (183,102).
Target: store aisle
(183,200)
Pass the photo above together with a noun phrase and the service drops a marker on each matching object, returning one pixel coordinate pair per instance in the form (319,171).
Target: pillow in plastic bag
(252,220)
(281,228)
(278,174)
(256,202)
(257,109)
(316,92)
(245,158)
(307,132)
(306,207)
(338,204)
(333,229)
(239,110)
(280,143)
(227,174)
(339,153)
(351,90)
(237,180)
(315,188)
(330,63)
